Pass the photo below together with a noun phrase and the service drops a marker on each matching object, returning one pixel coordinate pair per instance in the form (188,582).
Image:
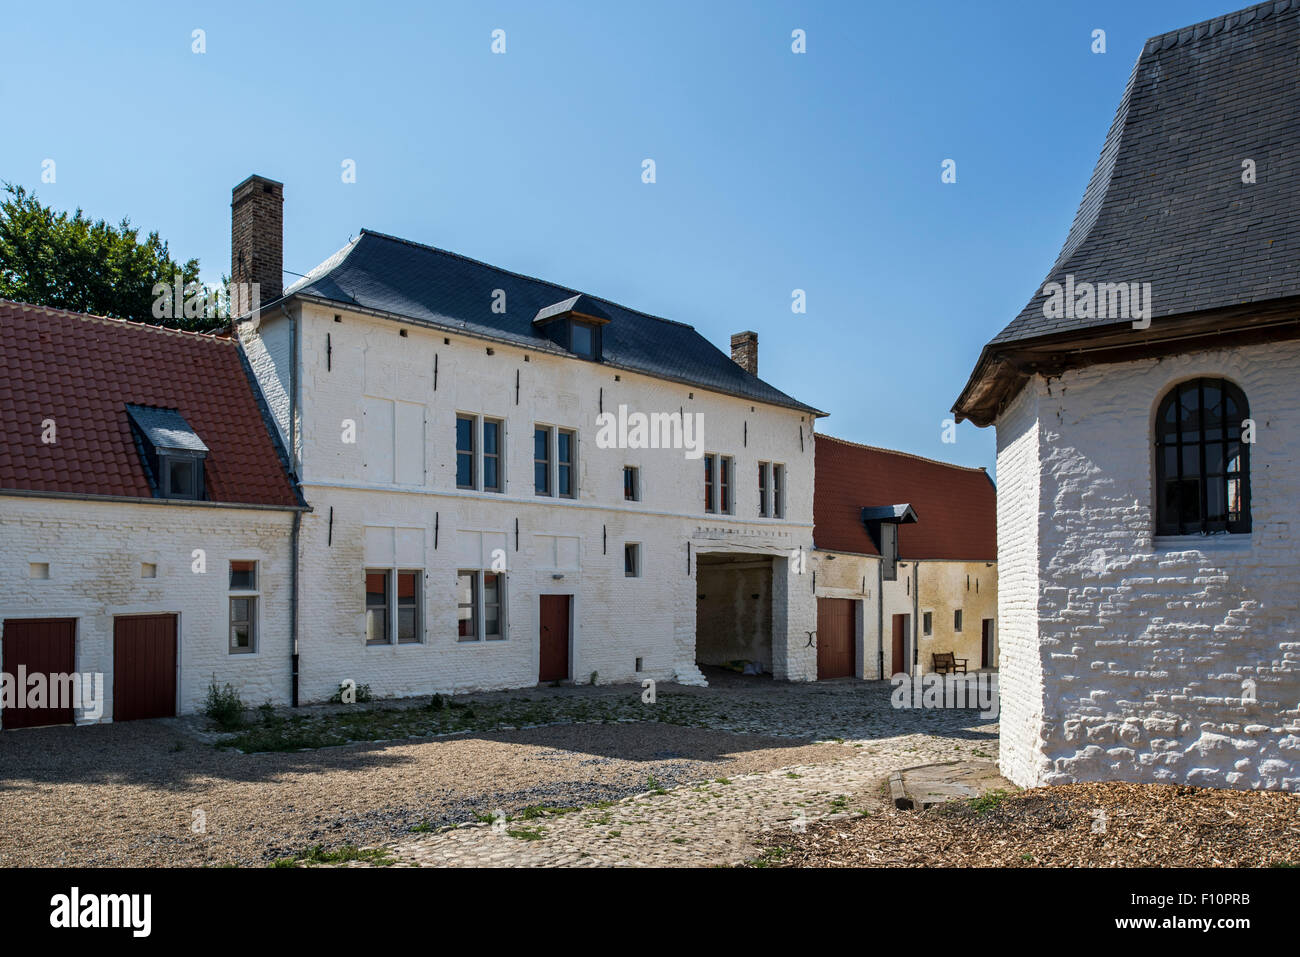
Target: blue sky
(775,171)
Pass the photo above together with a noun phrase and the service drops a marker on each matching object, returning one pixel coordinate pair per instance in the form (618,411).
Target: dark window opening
(1202,465)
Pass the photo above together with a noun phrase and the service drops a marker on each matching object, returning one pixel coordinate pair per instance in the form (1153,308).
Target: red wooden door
(836,623)
(554,658)
(144,667)
(40,646)
(898,662)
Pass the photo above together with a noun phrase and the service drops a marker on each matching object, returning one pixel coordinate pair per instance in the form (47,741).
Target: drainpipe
(294,378)
(916,611)
(293,608)
(880,618)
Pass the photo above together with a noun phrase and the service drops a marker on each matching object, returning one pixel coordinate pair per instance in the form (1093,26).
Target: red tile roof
(956,507)
(81,371)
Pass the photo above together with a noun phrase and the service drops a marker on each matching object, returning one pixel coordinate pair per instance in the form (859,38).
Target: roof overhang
(1004,368)
(575,307)
(893,514)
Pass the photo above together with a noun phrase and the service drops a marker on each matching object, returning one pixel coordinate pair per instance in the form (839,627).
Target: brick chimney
(257,240)
(744,351)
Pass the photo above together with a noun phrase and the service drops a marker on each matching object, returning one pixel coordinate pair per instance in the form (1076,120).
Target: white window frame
(478,577)
(764,489)
(239,594)
(553,460)
(777,490)
(393,604)
(478,452)
(636,483)
(713,462)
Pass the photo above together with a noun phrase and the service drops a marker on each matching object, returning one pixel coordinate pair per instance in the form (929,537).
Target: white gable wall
(1137,663)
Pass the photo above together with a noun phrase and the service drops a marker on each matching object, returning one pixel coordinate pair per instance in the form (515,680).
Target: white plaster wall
(616,619)
(95,551)
(1144,646)
(1020,671)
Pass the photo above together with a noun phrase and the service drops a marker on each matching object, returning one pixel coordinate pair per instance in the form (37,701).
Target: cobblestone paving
(718,822)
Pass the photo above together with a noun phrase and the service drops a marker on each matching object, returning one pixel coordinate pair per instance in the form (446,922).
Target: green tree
(69,262)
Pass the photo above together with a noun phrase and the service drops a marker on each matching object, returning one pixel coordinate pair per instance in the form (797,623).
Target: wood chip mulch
(1076,825)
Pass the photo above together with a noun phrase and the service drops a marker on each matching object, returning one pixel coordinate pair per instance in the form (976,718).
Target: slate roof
(955,506)
(1166,204)
(165,428)
(403,279)
(83,371)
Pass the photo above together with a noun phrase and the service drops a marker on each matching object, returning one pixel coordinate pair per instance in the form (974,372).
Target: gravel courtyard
(733,760)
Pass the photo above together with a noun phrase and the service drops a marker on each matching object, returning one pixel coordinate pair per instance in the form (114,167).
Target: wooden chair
(945,662)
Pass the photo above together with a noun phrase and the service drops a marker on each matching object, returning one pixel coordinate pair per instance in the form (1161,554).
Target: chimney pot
(744,351)
(256,241)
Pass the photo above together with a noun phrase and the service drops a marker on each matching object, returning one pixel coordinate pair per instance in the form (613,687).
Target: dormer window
(576,324)
(171,452)
(882,523)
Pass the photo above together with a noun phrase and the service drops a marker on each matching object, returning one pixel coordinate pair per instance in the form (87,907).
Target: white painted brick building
(1148,611)
(112,565)
(410,384)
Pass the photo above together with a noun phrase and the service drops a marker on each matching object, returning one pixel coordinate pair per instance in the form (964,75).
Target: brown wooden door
(836,628)
(144,667)
(40,646)
(554,658)
(899,663)
(986,645)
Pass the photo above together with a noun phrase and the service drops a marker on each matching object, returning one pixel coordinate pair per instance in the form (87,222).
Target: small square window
(632,560)
(180,476)
(38,570)
(148,570)
(243,576)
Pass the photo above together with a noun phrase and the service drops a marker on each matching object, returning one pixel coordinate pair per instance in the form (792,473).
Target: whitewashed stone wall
(1126,657)
(95,551)
(407,482)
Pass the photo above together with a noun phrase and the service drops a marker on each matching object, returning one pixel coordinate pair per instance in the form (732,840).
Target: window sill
(1225,542)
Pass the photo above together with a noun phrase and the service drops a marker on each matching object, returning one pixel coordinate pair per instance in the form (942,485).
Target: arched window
(1202,466)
